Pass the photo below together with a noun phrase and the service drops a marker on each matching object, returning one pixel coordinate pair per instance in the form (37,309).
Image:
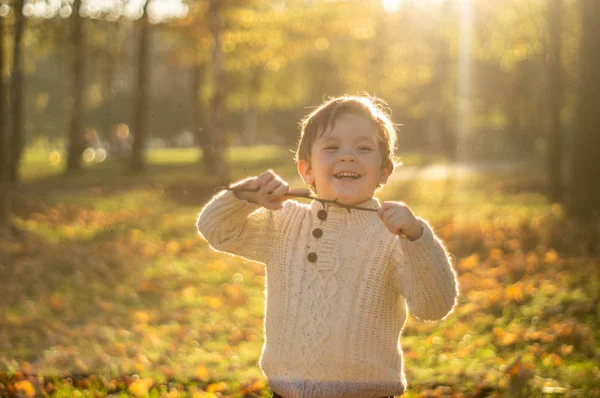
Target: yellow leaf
(235,294)
(188,293)
(173,393)
(140,387)
(556,210)
(141,317)
(135,234)
(514,368)
(214,302)
(13,318)
(566,349)
(254,387)
(187,244)
(202,394)
(551,256)
(25,387)
(496,254)
(514,292)
(216,387)
(172,247)
(509,338)
(69,230)
(202,372)
(552,360)
(469,262)
(145,286)
(55,301)
(104,305)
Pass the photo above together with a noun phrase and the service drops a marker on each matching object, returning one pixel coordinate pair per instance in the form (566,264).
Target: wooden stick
(335,202)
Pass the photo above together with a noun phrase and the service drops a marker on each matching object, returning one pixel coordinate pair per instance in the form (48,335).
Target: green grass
(38,163)
(109,278)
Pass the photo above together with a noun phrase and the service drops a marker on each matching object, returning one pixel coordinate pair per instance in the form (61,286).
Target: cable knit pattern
(333,320)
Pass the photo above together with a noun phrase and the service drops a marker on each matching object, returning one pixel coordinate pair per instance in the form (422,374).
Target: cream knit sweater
(339,286)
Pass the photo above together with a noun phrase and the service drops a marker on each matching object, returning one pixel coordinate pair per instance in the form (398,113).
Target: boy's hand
(272,192)
(399,219)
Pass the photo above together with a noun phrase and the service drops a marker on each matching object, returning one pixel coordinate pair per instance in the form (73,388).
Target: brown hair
(323,118)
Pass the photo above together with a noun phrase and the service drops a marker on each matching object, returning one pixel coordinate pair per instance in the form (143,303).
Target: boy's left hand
(399,219)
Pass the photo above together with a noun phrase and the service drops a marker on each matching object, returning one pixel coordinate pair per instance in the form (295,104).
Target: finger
(271,186)
(389,212)
(265,177)
(246,184)
(280,191)
(396,223)
(385,206)
(265,180)
(249,183)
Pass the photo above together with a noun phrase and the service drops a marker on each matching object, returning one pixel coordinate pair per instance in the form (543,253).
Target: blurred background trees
(126,76)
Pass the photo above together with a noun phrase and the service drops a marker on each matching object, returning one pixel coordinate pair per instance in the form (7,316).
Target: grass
(108,289)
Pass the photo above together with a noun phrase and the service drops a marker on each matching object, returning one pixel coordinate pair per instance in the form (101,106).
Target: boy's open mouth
(347,176)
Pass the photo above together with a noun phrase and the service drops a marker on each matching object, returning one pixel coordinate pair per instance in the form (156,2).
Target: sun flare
(391,5)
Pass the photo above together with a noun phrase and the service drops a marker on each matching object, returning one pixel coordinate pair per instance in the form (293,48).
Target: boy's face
(345,162)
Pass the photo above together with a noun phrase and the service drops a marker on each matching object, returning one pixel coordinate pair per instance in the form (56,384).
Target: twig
(335,202)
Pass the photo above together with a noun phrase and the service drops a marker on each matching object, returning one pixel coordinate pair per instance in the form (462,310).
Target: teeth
(351,176)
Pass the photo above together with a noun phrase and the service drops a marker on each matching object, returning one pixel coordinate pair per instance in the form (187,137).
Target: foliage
(277,63)
(109,289)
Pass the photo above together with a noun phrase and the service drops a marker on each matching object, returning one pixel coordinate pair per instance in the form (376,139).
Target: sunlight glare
(391,5)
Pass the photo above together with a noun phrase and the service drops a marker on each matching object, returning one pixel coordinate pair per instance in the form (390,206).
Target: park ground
(107,289)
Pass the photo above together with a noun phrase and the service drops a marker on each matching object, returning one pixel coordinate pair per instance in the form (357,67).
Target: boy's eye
(365,148)
(331,147)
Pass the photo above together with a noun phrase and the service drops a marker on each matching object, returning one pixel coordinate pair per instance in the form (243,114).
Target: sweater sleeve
(425,276)
(238,227)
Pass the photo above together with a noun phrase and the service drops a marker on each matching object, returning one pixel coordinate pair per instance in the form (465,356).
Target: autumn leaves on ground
(107,290)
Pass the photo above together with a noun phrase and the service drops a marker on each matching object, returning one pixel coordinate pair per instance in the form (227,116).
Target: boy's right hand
(272,192)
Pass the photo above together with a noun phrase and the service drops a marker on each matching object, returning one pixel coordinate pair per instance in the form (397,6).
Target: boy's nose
(347,156)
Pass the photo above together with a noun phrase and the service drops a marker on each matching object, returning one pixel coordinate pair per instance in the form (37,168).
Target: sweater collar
(354,215)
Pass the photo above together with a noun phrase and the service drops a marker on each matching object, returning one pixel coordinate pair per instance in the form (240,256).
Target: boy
(338,282)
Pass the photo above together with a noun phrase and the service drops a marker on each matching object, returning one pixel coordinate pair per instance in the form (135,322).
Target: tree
(214,152)
(140,125)
(553,157)
(76,143)
(4,140)
(584,193)
(16,93)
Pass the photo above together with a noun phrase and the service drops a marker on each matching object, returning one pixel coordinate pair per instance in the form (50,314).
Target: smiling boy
(339,283)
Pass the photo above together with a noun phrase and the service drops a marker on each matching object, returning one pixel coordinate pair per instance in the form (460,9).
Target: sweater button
(317,232)
(322,215)
(312,257)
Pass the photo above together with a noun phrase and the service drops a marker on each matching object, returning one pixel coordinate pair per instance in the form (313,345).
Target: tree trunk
(251,117)
(442,115)
(198,119)
(553,156)
(4,152)
(511,144)
(140,125)
(214,154)
(16,93)
(584,195)
(110,64)
(76,143)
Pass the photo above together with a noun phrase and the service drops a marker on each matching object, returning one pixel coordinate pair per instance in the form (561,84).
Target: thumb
(382,208)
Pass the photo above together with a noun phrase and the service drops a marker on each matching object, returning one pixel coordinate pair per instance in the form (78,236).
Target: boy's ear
(386,172)
(305,172)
